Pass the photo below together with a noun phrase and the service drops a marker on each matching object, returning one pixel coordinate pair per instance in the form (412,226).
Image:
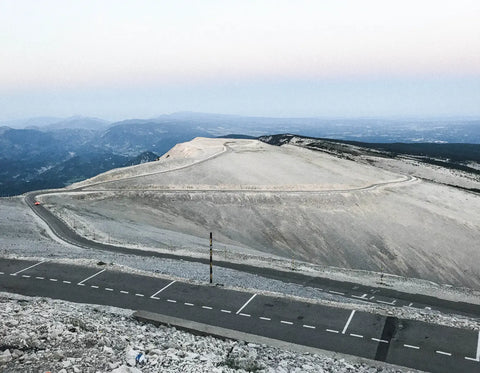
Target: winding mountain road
(397,341)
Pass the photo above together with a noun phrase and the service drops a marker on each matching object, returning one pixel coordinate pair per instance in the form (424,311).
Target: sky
(118,59)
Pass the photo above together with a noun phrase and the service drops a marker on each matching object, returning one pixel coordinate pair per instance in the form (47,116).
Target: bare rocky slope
(372,214)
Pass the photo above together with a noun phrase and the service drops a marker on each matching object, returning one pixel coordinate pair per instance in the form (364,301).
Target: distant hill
(452,156)
(77,122)
(35,157)
(133,137)
(53,157)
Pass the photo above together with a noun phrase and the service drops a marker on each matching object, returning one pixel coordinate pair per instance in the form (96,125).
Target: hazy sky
(117,59)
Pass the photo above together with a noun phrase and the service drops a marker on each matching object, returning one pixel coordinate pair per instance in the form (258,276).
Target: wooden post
(211,253)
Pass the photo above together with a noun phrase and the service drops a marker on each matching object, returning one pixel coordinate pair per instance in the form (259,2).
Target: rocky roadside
(43,335)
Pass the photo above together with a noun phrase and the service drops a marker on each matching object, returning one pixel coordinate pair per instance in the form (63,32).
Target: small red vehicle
(37,203)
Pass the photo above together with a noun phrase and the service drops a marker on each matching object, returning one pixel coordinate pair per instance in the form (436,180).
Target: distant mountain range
(53,156)
(48,152)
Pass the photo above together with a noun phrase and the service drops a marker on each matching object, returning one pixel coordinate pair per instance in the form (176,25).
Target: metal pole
(211,252)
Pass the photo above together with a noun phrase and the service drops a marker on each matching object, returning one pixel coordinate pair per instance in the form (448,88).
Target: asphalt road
(403,342)
(351,290)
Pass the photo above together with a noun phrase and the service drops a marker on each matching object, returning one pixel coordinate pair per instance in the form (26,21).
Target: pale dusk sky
(122,59)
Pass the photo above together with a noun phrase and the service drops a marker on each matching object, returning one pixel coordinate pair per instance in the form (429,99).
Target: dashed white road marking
(246,303)
(336,292)
(26,276)
(265,318)
(2,273)
(443,353)
(244,314)
(373,296)
(410,346)
(53,279)
(286,322)
(332,331)
(40,278)
(348,321)
(379,340)
(123,292)
(25,269)
(188,304)
(171,301)
(92,276)
(226,311)
(356,335)
(410,305)
(108,289)
(392,303)
(139,295)
(360,297)
(207,307)
(308,326)
(94,286)
(162,289)
(66,282)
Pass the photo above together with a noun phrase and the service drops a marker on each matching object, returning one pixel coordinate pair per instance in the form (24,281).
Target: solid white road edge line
(23,270)
(477,358)
(478,346)
(92,276)
(471,359)
(348,322)
(162,289)
(246,303)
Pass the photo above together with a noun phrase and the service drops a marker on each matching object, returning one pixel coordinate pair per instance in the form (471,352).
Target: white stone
(126,369)
(5,357)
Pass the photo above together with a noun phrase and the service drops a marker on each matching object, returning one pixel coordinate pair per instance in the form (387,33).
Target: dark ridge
(451,156)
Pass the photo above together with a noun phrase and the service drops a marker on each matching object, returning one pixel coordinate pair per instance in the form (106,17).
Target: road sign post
(211,264)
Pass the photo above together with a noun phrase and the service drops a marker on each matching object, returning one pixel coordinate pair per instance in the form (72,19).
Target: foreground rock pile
(40,335)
